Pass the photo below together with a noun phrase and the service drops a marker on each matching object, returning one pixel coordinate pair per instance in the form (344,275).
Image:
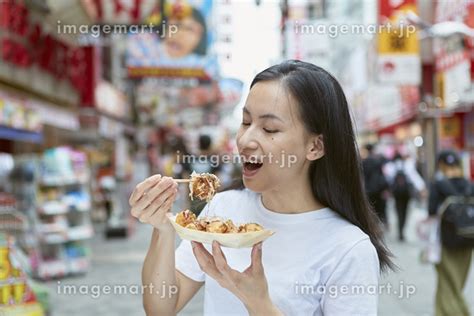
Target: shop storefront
(43,81)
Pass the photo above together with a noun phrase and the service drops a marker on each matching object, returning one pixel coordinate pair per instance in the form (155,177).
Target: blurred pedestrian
(453,268)
(405,182)
(376,184)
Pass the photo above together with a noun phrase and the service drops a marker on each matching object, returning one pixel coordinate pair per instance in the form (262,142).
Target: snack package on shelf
(64,165)
(16,294)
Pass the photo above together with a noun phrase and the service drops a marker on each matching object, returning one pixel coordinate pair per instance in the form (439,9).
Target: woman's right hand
(152,200)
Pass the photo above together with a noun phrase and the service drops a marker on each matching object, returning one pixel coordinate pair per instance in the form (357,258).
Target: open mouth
(252,166)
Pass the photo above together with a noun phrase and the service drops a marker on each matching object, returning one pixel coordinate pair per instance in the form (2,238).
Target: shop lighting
(418,141)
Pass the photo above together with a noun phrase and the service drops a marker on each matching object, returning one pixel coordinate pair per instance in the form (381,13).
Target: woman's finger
(154,192)
(256,256)
(140,207)
(142,188)
(221,261)
(205,261)
(158,216)
(154,206)
(160,200)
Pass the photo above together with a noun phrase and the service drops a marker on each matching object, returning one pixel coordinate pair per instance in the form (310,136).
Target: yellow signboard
(398,41)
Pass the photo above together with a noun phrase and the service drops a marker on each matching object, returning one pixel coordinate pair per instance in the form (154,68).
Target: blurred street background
(97,95)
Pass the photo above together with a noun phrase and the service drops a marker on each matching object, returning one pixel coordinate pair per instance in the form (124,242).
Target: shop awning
(390,128)
(14,134)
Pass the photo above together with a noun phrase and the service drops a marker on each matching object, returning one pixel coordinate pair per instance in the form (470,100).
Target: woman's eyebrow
(265,116)
(270,116)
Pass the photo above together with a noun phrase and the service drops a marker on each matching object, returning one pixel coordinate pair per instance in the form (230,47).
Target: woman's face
(186,39)
(273,135)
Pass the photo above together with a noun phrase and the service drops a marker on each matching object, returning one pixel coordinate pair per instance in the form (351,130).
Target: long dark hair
(336,178)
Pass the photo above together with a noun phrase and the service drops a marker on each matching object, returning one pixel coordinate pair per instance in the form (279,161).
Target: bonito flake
(203,186)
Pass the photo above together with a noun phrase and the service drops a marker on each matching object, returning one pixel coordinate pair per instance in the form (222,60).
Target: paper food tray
(232,240)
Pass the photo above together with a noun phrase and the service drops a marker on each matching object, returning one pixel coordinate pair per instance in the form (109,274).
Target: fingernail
(193,244)
(259,246)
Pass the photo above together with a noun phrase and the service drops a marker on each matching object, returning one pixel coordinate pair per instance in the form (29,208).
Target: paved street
(119,262)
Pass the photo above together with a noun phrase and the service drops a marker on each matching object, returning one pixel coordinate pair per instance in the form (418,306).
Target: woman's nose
(247,140)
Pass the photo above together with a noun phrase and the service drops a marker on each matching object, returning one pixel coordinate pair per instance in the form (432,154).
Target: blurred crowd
(448,211)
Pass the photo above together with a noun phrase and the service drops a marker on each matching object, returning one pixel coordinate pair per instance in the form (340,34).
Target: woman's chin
(253,185)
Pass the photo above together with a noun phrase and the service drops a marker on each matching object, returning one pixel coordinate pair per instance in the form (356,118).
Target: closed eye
(270,131)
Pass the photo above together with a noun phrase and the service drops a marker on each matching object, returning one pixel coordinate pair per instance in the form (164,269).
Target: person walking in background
(453,268)
(405,181)
(376,184)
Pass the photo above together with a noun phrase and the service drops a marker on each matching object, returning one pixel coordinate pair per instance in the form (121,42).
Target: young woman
(327,252)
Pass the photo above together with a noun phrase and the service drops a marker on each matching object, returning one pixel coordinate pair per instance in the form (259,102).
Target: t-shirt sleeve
(186,263)
(352,288)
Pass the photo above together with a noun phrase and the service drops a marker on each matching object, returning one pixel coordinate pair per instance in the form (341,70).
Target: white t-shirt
(316,263)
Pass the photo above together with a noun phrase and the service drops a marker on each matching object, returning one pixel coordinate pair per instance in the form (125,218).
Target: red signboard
(25,44)
(469,40)
(389,8)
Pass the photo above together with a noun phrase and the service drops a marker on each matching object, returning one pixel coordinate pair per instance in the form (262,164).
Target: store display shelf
(56,181)
(61,219)
(52,229)
(78,265)
(80,232)
(53,208)
(54,238)
(17,134)
(59,207)
(80,207)
(61,268)
(71,234)
(52,269)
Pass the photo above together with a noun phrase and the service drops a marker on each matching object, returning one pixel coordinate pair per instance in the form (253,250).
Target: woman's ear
(315,148)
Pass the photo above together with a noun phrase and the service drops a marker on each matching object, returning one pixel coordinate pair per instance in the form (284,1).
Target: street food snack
(185,218)
(215,224)
(226,232)
(203,186)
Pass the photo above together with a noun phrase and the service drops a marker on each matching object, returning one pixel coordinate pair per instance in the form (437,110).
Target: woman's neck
(292,199)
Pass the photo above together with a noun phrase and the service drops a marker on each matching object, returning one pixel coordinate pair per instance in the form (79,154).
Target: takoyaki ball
(191,226)
(231,228)
(216,227)
(253,227)
(185,217)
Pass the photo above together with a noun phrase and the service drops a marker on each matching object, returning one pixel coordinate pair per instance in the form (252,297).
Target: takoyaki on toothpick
(202,186)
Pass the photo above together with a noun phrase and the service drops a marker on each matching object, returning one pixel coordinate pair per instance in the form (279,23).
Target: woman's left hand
(250,286)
